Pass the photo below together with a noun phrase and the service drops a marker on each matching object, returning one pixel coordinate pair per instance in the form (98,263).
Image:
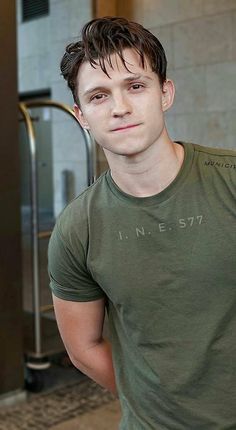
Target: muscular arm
(81,326)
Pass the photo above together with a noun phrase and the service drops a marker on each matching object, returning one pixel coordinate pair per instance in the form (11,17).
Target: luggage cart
(37,359)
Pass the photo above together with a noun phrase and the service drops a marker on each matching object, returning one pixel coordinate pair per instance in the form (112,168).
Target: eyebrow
(128,79)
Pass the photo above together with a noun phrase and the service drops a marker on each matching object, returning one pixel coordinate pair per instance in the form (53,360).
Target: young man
(152,240)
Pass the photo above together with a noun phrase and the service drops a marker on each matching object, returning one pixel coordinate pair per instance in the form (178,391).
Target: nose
(121,105)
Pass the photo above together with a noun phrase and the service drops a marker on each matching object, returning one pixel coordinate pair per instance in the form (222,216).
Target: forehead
(89,75)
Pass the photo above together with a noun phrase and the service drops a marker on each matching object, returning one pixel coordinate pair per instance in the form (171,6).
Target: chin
(126,147)
(129,152)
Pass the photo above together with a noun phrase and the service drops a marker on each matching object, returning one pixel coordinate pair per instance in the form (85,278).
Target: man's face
(125,113)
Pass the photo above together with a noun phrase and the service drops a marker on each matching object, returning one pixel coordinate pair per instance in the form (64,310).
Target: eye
(137,86)
(98,97)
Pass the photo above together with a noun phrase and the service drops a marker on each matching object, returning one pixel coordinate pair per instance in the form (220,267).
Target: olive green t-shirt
(167,265)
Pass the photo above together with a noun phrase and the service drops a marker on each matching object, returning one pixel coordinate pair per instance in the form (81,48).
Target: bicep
(80,323)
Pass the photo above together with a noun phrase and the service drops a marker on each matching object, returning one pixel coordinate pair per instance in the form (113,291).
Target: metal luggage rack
(36,359)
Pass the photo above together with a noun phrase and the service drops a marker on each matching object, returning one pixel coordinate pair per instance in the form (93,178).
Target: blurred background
(46,160)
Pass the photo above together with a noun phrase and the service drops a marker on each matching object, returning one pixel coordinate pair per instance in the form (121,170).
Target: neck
(144,175)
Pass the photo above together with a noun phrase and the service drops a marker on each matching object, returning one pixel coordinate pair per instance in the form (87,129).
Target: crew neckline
(164,194)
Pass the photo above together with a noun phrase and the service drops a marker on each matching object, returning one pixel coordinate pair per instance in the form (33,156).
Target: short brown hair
(103,37)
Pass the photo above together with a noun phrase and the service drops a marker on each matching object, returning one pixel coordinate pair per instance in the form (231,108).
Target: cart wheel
(34,380)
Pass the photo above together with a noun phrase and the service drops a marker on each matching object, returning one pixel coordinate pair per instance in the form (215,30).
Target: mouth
(125,127)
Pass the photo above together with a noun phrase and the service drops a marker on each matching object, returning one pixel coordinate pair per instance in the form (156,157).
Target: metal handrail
(91,175)
(89,142)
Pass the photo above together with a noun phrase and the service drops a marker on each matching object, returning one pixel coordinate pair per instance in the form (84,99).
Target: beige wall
(200,40)
(199,37)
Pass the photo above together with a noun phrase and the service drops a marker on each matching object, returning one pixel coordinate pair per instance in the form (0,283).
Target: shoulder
(217,166)
(217,159)
(215,153)
(78,208)
(74,218)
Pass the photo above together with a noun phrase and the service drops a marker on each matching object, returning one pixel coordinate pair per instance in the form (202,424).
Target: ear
(80,117)
(168,94)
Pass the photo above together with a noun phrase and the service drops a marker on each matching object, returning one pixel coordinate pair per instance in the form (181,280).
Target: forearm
(96,362)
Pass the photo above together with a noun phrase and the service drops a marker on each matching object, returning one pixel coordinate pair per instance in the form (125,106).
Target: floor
(67,399)
(103,418)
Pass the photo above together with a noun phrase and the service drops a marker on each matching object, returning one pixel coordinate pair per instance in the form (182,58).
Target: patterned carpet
(43,411)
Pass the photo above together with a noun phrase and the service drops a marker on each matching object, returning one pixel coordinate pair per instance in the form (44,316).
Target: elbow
(80,360)
(84,357)
(76,360)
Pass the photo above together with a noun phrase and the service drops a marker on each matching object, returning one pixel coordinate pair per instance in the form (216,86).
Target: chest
(174,250)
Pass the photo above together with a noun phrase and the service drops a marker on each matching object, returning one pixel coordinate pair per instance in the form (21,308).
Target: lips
(125,127)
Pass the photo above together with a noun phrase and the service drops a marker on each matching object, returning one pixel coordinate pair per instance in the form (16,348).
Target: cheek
(95,116)
(154,116)
(151,105)
(97,126)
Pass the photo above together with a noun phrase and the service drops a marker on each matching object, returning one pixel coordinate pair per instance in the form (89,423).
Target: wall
(200,41)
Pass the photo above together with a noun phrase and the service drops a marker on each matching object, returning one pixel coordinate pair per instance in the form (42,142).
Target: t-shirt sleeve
(69,276)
